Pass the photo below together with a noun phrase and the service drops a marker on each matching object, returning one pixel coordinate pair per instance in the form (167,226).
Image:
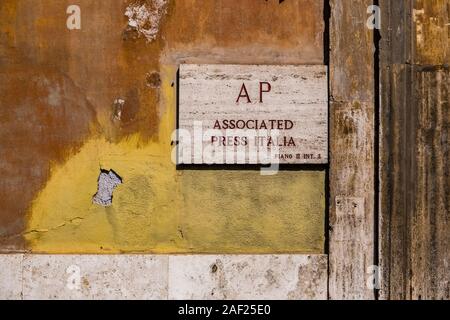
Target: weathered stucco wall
(73,102)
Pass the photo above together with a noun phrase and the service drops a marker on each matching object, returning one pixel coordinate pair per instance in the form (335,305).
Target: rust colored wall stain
(44,117)
(58,87)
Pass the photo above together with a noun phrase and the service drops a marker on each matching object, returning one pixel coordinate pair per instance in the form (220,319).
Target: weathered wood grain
(351,242)
(430,228)
(208,95)
(414,155)
(415,201)
(431,31)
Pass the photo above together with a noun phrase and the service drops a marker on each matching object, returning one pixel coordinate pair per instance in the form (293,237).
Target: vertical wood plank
(414,157)
(430,228)
(352,150)
(396,123)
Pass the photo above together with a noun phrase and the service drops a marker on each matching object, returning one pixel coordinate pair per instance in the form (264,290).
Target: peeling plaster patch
(144,17)
(107,182)
(54,96)
(118,109)
(153,80)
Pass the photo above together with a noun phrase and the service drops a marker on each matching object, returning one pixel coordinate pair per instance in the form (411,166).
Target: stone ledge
(162,277)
